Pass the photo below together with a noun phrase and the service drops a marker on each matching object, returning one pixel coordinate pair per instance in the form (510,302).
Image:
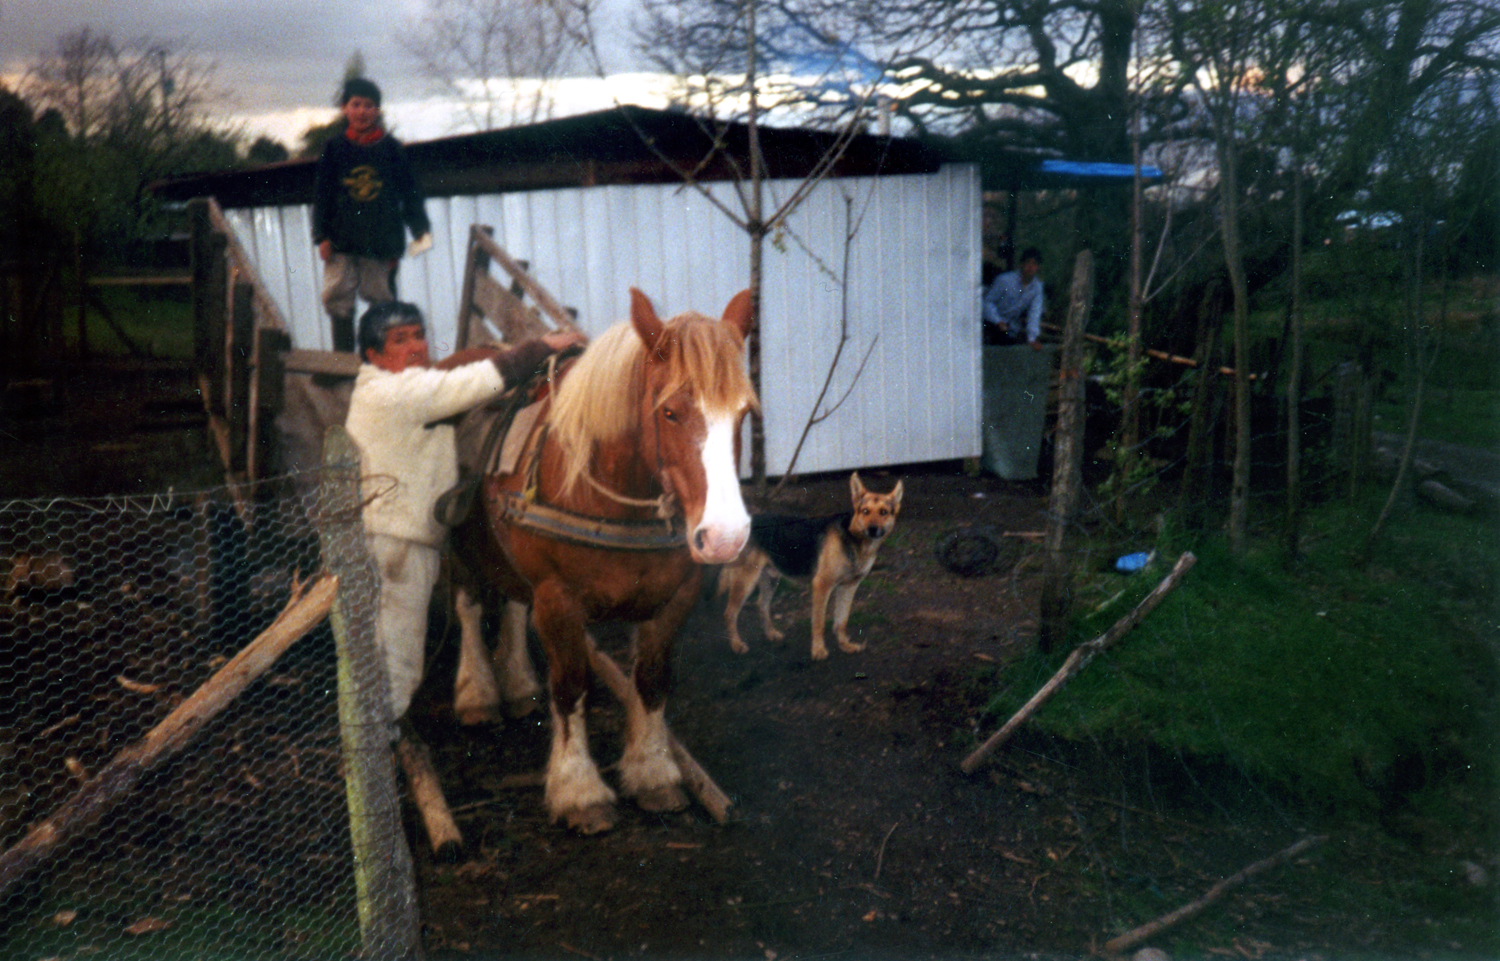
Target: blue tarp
(1100,171)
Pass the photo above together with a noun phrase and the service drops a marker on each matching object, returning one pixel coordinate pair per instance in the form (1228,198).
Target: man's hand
(325,250)
(520,362)
(560,340)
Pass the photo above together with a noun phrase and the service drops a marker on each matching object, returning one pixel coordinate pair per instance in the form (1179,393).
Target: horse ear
(737,313)
(643,317)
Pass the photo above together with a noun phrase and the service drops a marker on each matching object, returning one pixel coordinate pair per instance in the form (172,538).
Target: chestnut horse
(631,484)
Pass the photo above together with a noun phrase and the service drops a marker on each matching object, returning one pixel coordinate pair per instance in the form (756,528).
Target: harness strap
(580,529)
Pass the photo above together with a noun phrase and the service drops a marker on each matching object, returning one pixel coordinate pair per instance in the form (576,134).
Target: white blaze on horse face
(725,527)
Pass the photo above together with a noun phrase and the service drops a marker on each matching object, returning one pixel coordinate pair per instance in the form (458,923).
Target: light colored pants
(346,276)
(408,573)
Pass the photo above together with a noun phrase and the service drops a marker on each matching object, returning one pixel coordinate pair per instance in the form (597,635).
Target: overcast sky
(280,60)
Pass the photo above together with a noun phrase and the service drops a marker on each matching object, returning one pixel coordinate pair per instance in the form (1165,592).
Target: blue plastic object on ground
(1131,563)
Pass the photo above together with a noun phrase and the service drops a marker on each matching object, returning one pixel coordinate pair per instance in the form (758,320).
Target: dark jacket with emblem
(365,198)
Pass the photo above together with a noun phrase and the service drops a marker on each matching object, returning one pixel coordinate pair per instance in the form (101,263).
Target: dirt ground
(853,832)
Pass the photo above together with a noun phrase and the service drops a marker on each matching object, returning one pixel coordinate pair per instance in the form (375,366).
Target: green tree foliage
(266,151)
(109,120)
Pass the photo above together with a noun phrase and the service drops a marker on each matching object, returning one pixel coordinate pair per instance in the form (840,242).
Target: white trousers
(408,573)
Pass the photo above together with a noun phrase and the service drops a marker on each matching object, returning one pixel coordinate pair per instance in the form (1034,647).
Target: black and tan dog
(836,551)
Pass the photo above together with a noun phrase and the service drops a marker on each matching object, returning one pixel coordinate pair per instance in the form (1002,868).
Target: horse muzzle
(718,543)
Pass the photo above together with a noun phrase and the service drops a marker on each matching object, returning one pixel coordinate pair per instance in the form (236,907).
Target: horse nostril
(700,539)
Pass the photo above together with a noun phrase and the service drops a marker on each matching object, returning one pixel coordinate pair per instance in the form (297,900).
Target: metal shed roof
(637,145)
(626,145)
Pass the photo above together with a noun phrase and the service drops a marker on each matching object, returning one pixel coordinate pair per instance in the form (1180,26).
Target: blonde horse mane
(599,400)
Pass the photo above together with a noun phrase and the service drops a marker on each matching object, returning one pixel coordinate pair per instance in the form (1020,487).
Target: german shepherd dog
(836,551)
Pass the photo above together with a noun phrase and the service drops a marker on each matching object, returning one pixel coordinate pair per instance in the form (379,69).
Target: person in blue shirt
(1013,304)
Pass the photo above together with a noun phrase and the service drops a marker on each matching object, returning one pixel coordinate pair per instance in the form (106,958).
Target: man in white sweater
(409,459)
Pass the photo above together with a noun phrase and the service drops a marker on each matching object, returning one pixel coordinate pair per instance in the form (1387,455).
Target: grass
(1358,699)
(158,321)
(1343,686)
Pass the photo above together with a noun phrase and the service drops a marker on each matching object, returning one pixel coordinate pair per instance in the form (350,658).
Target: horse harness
(524,509)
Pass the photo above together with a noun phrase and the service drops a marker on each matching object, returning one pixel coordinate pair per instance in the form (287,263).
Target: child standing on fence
(408,460)
(365,198)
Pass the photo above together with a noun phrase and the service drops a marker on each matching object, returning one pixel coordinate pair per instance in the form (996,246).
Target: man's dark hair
(359,87)
(380,318)
(1030,253)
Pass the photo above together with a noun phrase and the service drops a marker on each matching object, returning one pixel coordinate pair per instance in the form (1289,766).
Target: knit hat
(381,317)
(359,87)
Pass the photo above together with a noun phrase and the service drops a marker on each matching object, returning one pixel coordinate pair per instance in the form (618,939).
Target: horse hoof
(662,800)
(594,819)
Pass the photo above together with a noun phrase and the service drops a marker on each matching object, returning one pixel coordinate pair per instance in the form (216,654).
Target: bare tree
(130,113)
(721,52)
(499,58)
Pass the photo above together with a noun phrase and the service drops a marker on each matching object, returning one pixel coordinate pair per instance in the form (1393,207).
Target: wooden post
(237,348)
(384,883)
(476,262)
(210,300)
(1067,457)
(119,777)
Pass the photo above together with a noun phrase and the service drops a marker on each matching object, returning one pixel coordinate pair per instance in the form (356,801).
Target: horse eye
(669,414)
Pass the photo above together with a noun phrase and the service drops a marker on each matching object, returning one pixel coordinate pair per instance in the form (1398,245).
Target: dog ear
(856,489)
(896,497)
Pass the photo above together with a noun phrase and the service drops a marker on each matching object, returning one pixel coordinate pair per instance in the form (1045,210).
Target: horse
(629,485)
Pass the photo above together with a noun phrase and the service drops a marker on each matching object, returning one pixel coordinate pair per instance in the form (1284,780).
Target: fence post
(1067,454)
(384,884)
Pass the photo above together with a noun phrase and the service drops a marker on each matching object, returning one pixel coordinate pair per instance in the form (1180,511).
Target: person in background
(408,459)
(365,198)
(1013,304)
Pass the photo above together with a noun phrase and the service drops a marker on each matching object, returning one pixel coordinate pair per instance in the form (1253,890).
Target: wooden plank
(242,263)
(115,782)
(332,363)
(514,320)
(172,280)
(559,315)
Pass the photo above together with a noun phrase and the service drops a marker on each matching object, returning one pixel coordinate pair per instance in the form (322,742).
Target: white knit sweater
(406,465)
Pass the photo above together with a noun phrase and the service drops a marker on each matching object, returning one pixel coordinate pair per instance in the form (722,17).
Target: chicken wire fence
(274,830)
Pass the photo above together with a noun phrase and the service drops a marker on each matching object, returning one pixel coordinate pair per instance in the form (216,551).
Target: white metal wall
(913,294)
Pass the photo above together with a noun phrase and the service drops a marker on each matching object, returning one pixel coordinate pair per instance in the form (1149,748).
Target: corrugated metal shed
(911,312)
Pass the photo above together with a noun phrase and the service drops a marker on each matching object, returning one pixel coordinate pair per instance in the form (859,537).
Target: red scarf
(368,137)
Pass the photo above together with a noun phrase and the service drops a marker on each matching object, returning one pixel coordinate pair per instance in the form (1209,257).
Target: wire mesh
(238,844)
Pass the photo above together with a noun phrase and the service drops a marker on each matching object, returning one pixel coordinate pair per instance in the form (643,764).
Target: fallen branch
(1079,659)
(1130,939)
(694,778)
(93,799)
(427,794)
